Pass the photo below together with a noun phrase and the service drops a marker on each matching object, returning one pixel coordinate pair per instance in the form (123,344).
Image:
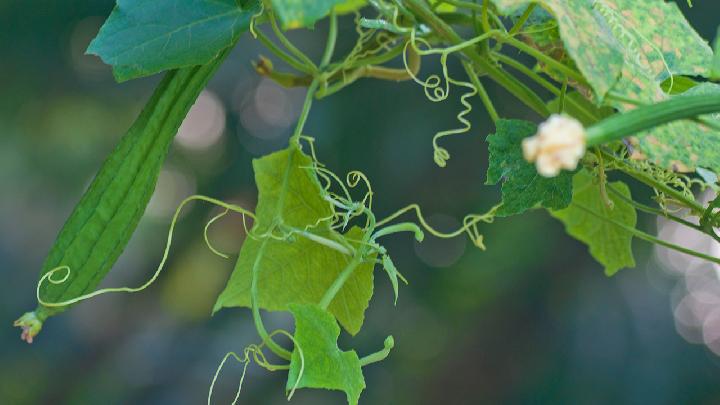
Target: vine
(320,226)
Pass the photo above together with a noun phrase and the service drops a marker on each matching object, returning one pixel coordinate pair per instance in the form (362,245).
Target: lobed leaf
(323,364)
(142,37)
(609,244)
(522,187)
(295,269)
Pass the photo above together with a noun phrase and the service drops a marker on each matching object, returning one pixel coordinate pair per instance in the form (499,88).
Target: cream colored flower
(558,144)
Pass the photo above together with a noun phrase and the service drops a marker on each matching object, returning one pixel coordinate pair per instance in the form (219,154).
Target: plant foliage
(315,242)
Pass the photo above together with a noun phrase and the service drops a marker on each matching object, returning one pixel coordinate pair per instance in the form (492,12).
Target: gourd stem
(646,117)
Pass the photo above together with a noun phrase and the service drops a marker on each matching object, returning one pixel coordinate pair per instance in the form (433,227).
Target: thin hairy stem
(647,237)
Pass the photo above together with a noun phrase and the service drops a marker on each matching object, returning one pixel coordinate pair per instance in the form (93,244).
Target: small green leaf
(441,7)
(302,13)
(349,6)
(323,364)
(296,269)
(677,84)
(522,187)
(393,274)
(141,38)
(610,244)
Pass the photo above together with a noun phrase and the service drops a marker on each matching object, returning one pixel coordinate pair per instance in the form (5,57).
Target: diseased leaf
(303,13)
(141,38)
(324,365)
(682,145)
(296,269)
(522,187)
(588,41)
(658,43)
(609,244)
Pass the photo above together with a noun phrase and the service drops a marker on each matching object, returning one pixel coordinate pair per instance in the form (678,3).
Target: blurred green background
(531,320)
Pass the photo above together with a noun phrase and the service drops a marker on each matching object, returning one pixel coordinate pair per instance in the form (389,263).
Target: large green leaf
(655,37)
(303,13)
(323,364)
(590,220)
(586,38)
(143,37)
(296,269)
(523,188)
(658,42)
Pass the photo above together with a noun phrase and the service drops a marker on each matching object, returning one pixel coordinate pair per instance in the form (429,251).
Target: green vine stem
(695,208)
(482,93)
(522,20)
(515,87)
(305,111)
(649,238)
(289,45)
(354,262)
(380,355)
(661,213)
(257,319)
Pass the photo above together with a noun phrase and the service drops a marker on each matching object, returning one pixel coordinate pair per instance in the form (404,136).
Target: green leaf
(393,274)
(323,364)
(588,219)
(677,84)
(522,187)
(349,6)
(296,269)
(683,145)
(655,38)
(439,7)
(589,42)
(141,38)
(302,13)
(658,44)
